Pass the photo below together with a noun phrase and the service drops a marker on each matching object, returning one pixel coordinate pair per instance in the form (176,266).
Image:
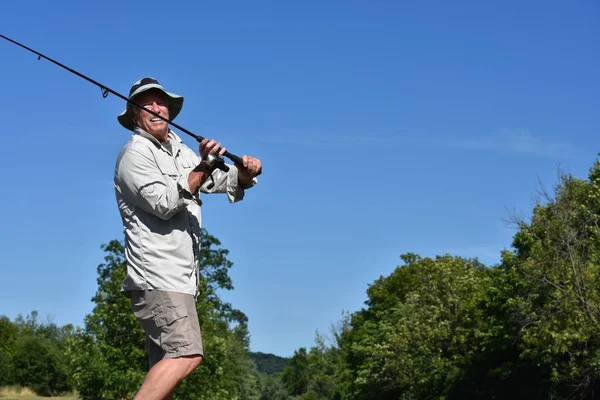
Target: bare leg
(164,376)
(170,395)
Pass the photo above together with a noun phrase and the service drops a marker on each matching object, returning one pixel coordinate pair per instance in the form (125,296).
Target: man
(158,181)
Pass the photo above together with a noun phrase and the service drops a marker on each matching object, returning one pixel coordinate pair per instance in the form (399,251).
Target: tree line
(443,327)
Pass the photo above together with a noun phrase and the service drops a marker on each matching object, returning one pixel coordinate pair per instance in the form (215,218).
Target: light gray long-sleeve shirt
(161,218)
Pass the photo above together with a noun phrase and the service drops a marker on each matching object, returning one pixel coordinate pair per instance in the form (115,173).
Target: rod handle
(236,160)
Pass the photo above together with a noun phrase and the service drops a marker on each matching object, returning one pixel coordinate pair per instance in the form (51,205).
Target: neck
(160,136)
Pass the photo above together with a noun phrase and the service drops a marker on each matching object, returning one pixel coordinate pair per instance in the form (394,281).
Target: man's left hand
(252,167)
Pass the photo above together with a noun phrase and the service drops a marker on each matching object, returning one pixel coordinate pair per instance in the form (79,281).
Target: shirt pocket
(167,166)
(187,159)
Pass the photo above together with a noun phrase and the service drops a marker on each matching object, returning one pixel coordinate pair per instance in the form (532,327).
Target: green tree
(414,338)
(272,388)
(8,337)
(39,364)
(6,371)
(269,364)
(308,374)
(495,369)
(109,355)
(33,354)
(554,281)
(296,375)
(323,361)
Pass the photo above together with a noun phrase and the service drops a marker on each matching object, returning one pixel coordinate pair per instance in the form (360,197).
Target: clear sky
(384,127)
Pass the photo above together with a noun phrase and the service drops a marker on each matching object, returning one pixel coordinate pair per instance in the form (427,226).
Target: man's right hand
(212,147)
(199,175)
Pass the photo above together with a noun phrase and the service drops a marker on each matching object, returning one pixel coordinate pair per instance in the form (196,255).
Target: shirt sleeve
(143,184)
(225,182)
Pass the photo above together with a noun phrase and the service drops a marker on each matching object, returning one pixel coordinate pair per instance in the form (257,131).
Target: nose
(154,107)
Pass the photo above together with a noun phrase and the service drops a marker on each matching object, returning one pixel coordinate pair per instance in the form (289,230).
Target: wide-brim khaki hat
(144,84)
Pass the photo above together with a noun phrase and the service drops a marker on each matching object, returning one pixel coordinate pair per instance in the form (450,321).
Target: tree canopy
(443,327)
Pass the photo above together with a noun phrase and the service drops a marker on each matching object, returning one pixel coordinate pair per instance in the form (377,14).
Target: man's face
(155,101)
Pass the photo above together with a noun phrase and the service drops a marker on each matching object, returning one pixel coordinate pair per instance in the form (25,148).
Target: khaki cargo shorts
(170,322)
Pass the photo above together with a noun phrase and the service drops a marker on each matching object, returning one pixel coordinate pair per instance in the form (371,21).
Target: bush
(6,377)
(40,365)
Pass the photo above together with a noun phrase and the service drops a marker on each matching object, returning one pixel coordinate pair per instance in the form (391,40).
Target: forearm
(196,179)
(224,182)
(245,181)
(164,201)
(141,183)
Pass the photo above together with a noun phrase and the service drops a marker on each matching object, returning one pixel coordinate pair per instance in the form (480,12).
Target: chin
(158,130)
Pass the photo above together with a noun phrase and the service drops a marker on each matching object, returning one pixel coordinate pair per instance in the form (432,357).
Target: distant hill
(268,364)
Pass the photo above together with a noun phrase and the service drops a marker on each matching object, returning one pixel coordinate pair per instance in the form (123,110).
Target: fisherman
(158,181)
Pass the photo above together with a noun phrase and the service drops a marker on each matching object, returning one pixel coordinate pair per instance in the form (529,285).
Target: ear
(133,114)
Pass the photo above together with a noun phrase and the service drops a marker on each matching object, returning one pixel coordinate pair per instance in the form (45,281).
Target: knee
(193,363)
(197,360)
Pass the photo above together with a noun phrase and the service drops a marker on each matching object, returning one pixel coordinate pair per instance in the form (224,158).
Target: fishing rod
(106,90)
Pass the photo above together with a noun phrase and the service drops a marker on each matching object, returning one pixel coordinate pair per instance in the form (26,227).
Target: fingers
(203,145)
(257,166)
(211,147)
(251,164)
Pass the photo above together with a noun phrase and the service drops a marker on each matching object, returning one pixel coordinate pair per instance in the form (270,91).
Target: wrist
(244,180)
(196,178)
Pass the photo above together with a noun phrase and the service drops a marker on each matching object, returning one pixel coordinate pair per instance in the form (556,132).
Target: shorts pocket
(174,326)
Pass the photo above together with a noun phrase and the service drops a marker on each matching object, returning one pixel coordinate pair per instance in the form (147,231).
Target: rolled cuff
(235,192)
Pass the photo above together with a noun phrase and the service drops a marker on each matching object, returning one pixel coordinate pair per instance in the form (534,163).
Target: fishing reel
(209,163)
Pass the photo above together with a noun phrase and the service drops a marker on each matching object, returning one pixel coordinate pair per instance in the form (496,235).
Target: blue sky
(384,127)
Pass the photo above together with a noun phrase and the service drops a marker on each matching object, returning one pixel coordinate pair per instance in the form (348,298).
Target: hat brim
(175,105)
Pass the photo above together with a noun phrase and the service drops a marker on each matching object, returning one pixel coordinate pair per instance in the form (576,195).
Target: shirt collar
(174,139)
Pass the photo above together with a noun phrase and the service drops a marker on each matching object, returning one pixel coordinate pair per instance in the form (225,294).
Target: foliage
(109,357)
(32,354)
(8,337)
(272,388)
(308,375)
(442,327)
(269,364)
(452,328)
(6,370)
(40,365)
(415,337)
(295,376)
(554,274)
